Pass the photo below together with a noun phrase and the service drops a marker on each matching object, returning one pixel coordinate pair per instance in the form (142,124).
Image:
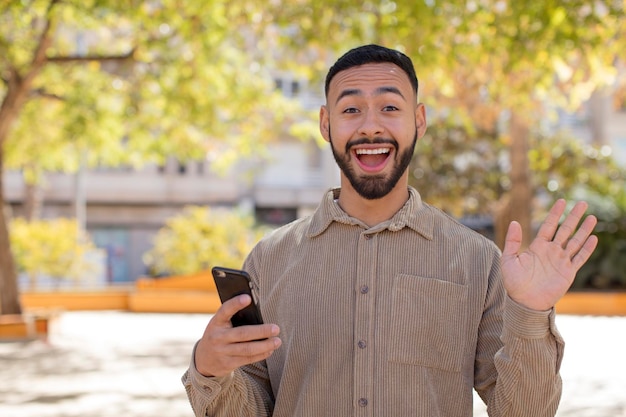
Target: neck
(372,212)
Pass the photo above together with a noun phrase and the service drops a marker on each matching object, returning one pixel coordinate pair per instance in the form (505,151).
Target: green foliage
(194,79)
(200,238)
(458,170)
(52,248)
(132,85)
(565,167)
(558,163)
(512,49)
(606,269)
(197,79)
(52,133)
(461,172)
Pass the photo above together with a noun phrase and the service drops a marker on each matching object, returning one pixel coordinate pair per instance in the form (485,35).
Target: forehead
(370,77)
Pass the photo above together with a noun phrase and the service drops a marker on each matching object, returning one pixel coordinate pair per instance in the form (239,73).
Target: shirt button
(363,402)
(368,237)
(365,289)
(362,344)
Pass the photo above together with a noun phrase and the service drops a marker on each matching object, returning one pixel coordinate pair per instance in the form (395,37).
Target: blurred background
(147,140)
(130,130)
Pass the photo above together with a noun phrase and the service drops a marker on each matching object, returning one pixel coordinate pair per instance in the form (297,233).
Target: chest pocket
(429,321)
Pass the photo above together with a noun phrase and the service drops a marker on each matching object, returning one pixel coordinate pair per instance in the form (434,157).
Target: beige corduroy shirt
(400,319)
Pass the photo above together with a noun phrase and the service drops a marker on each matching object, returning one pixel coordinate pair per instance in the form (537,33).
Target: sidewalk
(111,364)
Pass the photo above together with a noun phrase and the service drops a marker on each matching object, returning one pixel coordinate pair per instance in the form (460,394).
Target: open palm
(538,277)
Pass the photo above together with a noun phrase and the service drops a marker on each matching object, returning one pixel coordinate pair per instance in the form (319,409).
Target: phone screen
(231,283)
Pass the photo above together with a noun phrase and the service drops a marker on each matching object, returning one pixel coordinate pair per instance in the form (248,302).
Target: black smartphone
(231,283)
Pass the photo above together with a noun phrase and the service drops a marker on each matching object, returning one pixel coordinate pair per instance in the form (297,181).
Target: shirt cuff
(526,323)
(207,386)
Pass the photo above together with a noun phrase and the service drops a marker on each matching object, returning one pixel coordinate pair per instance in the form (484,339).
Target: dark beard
(373,187)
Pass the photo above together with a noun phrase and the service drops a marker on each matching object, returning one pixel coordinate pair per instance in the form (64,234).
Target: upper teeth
(372,151)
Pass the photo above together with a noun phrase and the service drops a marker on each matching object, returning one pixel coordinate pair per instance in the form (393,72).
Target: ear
(325,123)
(420,119)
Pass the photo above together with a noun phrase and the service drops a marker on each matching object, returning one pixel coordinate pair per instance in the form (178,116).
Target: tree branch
(85,58)
(39,57)
(18,85)
(40,92)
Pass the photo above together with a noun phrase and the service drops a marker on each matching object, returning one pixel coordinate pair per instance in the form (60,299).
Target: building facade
(124,209)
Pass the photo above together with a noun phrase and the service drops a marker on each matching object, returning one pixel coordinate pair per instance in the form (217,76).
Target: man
(386,306)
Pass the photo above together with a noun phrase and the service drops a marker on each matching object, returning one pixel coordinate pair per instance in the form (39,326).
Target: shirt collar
(414,214)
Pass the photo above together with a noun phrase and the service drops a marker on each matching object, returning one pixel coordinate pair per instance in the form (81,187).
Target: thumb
(229,308)
(513,240)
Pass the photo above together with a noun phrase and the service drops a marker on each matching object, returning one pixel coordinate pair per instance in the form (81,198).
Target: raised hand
(538,277)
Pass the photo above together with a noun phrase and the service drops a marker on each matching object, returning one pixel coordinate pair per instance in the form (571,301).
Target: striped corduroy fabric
(401,319)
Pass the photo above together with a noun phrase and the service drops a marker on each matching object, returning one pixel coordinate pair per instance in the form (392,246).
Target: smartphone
(231,283)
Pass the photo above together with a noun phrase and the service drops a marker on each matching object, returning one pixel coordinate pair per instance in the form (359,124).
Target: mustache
(363,141)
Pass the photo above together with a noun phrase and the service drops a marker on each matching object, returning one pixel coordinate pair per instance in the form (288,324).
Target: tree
(491,63)
(117,82)
(200,238)
(459,169)
(55,248)
(556,161)
(456,161)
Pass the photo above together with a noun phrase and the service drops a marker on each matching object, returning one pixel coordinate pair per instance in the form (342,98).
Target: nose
(371,125)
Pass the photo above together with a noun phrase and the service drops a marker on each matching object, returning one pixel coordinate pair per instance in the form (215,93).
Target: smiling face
(372,121)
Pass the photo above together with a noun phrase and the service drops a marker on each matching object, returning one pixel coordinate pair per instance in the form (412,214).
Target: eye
(390,108)
(351,110)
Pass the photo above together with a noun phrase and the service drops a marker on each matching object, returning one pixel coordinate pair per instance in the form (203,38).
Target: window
(288,86)
(275,216)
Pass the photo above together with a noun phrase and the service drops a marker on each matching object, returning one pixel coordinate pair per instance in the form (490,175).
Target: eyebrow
(379,91)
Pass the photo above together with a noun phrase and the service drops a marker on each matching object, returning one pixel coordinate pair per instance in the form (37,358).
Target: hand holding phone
(231,283)
(224,347)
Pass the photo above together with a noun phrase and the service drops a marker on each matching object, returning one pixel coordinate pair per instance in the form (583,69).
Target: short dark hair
(371,54)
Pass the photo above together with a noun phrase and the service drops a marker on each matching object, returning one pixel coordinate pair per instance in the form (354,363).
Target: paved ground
(111,364)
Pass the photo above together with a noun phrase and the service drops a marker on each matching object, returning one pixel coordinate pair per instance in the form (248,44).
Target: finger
(551,223)
(229,308)
(251,333)
(580,237)
(585,252)
(214,357)
(254,349)
(571,222)
(239,361)
(513,239)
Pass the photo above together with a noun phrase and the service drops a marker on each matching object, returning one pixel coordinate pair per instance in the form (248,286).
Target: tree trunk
(501,220)
(9,294)
(599,109)
(12,103)
(33,201)
(18,88)
(518,205)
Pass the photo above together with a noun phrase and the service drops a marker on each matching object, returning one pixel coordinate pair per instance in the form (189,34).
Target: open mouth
(372,159)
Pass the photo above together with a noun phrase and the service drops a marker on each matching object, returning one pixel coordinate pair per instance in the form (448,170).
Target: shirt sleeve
(522,378)
(245,392)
